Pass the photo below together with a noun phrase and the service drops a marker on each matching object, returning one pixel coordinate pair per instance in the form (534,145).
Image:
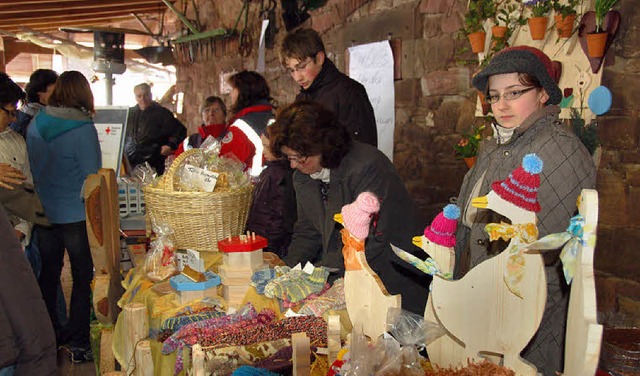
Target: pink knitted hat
(521,187)
(442,230)
(357,215)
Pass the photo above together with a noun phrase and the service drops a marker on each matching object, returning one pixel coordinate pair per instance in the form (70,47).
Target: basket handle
(173,169)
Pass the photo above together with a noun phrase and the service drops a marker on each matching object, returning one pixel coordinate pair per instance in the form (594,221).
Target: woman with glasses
(331,170)
(13,150)
(63,147)
(521,85)
(27,342)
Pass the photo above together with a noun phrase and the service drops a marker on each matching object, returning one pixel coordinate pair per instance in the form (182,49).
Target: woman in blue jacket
(63,148)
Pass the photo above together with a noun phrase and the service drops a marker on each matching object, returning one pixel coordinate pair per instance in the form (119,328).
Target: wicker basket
(199,219)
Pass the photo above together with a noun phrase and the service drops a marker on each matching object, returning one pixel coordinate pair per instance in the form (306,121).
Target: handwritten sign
(201,178)
(372,65)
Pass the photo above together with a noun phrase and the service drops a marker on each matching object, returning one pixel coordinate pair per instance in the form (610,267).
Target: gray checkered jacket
(568,168)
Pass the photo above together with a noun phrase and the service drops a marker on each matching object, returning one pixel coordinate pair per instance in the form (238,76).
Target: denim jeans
(52,243)
(8,371)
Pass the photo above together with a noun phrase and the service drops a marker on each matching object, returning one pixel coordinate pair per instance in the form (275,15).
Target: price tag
(206,180)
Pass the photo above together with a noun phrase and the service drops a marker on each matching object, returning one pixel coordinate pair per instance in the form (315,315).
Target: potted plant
(467,147)
(597,40)
(538,21)
(505,23)
(565,16)
(478,12)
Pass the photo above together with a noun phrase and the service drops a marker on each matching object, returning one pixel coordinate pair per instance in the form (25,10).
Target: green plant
(565,9)
(587,133)
(603,7)
(467,147)
(539,8)
(477,12)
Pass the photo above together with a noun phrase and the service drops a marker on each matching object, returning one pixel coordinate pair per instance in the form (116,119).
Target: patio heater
(108,57)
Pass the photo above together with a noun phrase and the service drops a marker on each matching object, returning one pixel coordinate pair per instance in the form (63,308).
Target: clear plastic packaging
(160,262)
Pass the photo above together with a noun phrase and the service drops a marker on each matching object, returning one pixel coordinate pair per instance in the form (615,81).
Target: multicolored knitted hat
(442,230)
(521,187)
(357,215)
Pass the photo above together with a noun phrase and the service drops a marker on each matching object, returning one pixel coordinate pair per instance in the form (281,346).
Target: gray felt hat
(522,59)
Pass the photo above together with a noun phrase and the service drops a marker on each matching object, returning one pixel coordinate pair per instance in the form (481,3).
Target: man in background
(153,133)
(302,54)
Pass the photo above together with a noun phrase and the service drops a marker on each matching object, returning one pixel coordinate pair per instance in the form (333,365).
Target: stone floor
(66,368)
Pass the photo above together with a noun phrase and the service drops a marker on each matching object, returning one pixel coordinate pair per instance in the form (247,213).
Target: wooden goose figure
(366,297)
(480,309)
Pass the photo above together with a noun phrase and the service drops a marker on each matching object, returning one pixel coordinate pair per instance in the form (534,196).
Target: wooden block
(197,359)
(144,359)
(301,354)
(243,259)
(234,295)
(136,327)
(107,359)
(237,276)
(189,296)
(100,297)
(333,337)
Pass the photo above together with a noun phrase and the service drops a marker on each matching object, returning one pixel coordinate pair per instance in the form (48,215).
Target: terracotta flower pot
(477,41)
(564,25)
(538,27)
(498,31)
(596,44)
(471,161)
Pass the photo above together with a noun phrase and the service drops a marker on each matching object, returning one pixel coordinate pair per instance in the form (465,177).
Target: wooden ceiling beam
(55,6)
(63,14)
(15,27)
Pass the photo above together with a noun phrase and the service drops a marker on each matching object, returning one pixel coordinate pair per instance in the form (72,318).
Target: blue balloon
(600,100)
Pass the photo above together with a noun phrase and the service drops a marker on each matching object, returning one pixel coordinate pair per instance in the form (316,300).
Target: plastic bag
(143,174)
(160,262)
(411,329)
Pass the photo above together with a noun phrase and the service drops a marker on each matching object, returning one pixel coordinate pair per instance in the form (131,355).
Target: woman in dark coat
(331,171)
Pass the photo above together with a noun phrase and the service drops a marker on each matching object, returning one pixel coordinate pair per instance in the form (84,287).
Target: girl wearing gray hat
(520,83)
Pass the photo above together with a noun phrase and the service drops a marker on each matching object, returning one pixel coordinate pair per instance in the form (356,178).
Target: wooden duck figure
(366,297)
(481,310)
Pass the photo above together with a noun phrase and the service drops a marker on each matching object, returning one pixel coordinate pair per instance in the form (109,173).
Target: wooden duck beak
(338,218)
(417,241)
(480,202)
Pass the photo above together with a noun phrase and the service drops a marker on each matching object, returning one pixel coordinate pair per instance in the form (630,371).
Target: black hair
(39,81)
(10,92)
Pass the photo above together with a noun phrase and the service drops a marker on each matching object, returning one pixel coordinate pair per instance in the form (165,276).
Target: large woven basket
(199,219)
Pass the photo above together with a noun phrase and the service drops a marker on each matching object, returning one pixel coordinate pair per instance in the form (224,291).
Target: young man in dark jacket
(302,54)
(153,133)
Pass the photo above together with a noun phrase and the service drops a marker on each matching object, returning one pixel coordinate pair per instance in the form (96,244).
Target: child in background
(273,210)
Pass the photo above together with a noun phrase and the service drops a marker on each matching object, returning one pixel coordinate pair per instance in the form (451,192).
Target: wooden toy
(365,295)
(188,290)
(482,312)
(584,334)
(241,257)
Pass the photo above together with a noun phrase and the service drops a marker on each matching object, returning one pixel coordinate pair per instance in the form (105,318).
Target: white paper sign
(201,178)
(372,65)
(109,136)
(194,261)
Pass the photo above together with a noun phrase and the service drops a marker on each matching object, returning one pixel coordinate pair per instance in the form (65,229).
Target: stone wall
(435,104)
(617,253)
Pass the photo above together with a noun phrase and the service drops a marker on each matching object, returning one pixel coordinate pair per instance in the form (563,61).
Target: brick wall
(435,104)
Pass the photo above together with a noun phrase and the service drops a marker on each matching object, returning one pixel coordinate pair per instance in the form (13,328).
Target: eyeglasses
(508,95)
(11,113)
(300,66)
(297,159)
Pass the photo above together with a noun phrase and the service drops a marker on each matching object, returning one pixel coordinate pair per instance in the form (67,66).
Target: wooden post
(112,241)
(301,354)
(333,337)
(144,359)
(136,327)
(107,359)
(197,360)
